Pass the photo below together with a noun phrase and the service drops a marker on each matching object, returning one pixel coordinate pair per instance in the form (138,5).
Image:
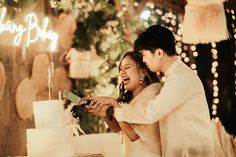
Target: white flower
(105,46)
(89,8)
(112,23)
(53,4)
(69,120)
(66,4)
(105,90)
(98,7)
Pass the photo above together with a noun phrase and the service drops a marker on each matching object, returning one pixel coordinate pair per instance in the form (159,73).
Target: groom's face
(152,60)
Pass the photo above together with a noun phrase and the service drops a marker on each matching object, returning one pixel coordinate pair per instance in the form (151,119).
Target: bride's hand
(99,105)
(101,101)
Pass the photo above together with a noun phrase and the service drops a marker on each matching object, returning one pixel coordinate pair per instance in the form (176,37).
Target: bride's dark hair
(150,77)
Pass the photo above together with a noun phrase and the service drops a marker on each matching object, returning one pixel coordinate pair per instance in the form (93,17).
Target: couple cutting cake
(158,120)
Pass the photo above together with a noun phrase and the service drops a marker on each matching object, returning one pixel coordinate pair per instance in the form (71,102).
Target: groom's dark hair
(155,37)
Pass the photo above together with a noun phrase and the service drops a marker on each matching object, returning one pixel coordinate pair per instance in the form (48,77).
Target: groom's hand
(98,105)
(101,112)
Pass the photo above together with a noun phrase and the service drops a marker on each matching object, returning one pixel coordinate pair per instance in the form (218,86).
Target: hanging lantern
(95,62)
(204,22)
(204,2)
(79,64)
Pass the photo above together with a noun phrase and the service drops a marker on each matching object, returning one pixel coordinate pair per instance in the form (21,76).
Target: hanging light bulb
(145,15)
(214,66)
(234,29)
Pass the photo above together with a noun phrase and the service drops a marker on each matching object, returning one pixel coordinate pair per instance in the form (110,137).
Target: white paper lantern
(204,23)
(95,62)
(84,64)
(204,2)
(79,64)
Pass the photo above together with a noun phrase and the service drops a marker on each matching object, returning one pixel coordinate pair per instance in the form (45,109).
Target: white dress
(148,145)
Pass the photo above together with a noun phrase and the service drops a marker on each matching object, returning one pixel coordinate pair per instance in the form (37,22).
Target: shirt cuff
(118,113)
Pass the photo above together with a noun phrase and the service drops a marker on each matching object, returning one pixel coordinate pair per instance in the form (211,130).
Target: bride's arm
(113,124)
(129,131)
(99,109)
(124,126)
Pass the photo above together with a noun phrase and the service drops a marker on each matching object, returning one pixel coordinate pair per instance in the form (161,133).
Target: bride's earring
(140,81)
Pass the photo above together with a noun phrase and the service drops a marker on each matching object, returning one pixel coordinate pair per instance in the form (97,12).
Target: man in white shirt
(181,107)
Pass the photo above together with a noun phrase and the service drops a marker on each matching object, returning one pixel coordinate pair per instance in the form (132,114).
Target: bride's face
(130,74)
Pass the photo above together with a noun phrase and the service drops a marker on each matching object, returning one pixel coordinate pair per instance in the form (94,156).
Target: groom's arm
(173,94)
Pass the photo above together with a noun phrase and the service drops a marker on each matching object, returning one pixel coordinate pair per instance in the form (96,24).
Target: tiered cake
(51,137)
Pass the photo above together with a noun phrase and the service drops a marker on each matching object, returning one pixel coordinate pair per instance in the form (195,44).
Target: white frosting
(48,114)
(51,137)
(50,142)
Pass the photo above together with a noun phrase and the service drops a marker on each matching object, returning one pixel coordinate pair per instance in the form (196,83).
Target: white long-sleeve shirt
(182,111)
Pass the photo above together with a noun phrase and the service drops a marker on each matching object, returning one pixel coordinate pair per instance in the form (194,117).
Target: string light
(145,14)
(152,15)
(178,50)
(188,53)
(193,66)
(214,65)
(135,4)
(124,8)
(195,53)
(183,55)
(186,59)
(234,30)
(183,49)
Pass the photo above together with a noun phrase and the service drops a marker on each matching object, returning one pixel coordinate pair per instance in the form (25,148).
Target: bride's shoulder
(154,86)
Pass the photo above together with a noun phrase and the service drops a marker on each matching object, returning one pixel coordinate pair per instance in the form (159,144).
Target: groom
(181,107)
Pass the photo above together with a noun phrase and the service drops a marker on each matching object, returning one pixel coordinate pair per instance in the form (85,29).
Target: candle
(59,95)
(49,82)
(48,113)
(50,74)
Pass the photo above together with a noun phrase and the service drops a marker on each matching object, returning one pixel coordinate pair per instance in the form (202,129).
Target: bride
(137,86)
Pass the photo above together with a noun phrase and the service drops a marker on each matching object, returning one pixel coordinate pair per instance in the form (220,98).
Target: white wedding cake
(51,137)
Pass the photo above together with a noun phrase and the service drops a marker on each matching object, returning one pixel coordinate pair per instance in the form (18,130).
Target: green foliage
(98,25)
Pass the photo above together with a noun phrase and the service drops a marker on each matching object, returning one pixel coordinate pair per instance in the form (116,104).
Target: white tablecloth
(109,145)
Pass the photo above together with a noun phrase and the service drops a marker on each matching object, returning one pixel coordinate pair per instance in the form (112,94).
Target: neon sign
(31,26)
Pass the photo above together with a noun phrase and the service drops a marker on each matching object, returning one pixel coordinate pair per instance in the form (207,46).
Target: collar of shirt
(172,67)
